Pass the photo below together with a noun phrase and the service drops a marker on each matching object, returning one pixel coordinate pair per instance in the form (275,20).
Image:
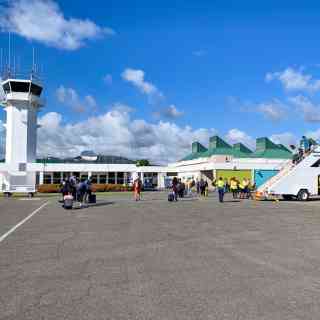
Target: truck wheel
(287,197)
(303,195)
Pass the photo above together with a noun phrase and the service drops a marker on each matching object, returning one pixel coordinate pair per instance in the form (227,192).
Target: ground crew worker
(221,187)
(241,190)
(234,188)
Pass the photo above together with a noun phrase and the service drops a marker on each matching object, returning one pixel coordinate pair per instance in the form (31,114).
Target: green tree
(142,163)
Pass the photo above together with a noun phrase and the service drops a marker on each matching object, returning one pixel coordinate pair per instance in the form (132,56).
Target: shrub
(110,188)
(48,188)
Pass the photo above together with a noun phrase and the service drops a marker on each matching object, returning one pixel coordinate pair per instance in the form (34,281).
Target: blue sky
(162,71)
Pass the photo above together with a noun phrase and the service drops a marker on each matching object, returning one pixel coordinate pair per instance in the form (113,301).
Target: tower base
(11,183)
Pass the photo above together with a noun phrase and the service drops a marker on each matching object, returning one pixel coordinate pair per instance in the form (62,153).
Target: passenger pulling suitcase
(92,198)
(170,197)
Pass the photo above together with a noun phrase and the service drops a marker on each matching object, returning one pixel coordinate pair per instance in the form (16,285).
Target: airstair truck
(295,181)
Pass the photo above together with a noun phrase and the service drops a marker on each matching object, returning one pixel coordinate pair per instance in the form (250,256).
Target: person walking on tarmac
(234,188)
(221,187)
(241,190)
(137,186)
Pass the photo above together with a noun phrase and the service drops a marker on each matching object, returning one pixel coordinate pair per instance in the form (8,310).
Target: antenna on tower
(33,58)
(33,70)
(1,62)
(9,50)
(14,66)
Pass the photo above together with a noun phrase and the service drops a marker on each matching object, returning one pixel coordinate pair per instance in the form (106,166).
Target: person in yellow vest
(234,187)
(241,190)
(221,187)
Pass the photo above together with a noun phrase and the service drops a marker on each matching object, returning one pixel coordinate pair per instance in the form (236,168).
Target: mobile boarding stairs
(295,181)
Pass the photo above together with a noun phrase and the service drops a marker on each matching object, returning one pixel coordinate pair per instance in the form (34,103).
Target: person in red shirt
(137,186)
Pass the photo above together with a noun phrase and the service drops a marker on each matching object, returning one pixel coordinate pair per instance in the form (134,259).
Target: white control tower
(21,103)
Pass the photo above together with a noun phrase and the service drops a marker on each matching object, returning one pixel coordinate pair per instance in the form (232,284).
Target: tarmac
(194,259)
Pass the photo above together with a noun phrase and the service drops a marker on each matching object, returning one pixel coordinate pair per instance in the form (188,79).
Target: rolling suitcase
(92,198)
(68,203)
(170,197)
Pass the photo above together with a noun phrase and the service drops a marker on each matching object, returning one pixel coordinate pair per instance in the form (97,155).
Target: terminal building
(102,170)
(22,171)
(221,159)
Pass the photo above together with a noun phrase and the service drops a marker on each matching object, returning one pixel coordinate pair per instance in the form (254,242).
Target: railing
(286,169)
(6,75)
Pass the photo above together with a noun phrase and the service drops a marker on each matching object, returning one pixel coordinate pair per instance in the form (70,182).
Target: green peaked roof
(239,150)
(264,144)
(241,147)
(198,151)
(216,142)
(282,147)
(265,148)
(198,147)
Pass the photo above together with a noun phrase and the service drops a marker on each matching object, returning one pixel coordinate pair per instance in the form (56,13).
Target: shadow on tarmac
(86,206)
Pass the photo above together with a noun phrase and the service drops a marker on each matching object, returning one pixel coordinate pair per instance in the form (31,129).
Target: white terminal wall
(184,169)
(193,168)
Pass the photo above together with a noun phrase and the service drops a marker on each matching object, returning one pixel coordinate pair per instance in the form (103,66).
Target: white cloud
(170,112)
(43,21)
(310,111)
(286,138)
(107,79)
(313,134)
(274,110)
(136,77)
(294,80)
(236,135)
(71,98)
(90,101)
(115,132)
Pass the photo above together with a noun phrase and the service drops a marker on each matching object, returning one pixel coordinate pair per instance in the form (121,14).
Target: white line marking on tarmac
(22,222)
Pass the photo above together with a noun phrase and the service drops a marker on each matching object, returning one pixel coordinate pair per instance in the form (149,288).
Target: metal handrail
(32,76)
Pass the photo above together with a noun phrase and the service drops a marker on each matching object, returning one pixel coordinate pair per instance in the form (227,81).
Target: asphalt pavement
(194,259)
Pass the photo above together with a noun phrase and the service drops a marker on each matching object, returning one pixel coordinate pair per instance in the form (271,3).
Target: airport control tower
(22,101)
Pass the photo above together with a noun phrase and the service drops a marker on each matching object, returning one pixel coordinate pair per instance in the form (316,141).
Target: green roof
(265,148)
(241,151)
(241,148)
(198,147)
(218,151)
(216,142)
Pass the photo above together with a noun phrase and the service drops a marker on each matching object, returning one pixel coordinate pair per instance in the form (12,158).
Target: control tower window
(36,90)
(19,86)
(6,87)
